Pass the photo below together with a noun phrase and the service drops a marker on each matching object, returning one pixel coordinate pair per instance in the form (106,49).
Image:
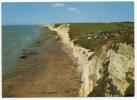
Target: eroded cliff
(106,72)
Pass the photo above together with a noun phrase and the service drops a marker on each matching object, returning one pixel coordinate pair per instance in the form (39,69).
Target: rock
(38,42)
(27,53)
(23,57)
(23,50)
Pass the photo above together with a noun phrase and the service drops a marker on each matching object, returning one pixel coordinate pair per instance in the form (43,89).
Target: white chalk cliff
(120,63)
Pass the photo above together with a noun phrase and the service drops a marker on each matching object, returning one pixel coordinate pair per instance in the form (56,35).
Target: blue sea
(14,40)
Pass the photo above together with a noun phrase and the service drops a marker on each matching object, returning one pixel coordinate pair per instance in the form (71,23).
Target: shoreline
(85,72)
(13,45)
(37,75)
(77,52)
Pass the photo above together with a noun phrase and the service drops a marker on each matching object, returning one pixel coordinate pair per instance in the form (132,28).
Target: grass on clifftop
(95,35)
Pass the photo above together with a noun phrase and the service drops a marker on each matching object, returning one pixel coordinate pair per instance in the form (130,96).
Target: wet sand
(46,71)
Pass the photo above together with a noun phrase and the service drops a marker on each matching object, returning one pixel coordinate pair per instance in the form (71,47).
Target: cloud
(58,5)
(72,9)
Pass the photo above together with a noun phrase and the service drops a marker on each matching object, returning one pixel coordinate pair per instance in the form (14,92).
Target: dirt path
(49,73)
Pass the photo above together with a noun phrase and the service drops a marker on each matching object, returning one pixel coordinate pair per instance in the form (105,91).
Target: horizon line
(69,22)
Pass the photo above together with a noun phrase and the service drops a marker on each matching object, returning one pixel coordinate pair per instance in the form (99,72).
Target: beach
(45,70)
(54,66)
(65,49)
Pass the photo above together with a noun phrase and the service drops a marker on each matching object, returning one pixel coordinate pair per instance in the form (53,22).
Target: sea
(15,38)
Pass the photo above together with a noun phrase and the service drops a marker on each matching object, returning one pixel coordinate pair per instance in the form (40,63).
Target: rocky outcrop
(106,69)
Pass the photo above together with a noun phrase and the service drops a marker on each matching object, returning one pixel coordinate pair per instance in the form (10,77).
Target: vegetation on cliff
(105,53)
(95,35)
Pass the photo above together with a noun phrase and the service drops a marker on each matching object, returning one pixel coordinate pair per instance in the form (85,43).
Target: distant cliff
(108,72)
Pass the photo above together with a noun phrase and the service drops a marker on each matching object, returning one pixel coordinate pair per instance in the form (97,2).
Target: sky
(32,13)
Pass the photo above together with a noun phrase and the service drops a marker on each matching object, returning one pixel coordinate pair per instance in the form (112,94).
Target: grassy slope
(116,32)
(122,32)
(125,29)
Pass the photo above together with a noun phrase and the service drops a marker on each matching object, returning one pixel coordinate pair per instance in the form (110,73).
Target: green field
(95,35)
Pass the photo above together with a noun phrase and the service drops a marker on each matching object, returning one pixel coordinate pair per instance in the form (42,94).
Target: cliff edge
(107,70)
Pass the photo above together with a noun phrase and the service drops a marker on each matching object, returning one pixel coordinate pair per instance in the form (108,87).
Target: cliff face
(105,73)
